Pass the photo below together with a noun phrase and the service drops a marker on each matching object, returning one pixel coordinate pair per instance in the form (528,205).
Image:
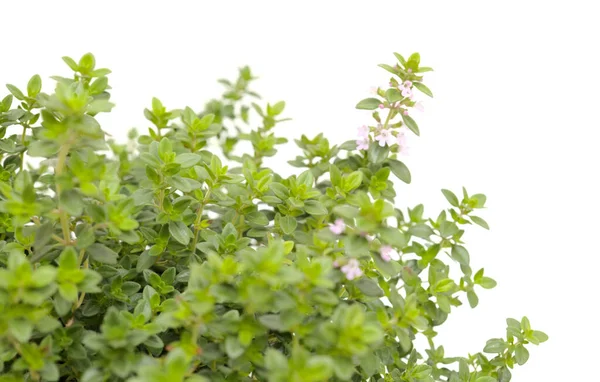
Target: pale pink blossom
(363,131)
(338,226)
(406,89)
(401,140)
(362,144)
(409,70)
(388,253)
(405,112)
(419,106)
(381,106)
(385,137)
(352,269)
(336,264)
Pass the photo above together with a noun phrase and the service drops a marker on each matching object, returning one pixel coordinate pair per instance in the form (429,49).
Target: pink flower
(385,137)
(363,131)
(381,106)
(405,112)
(406,89)
(419,106)
(352,269)
(338,226)
(402,142)
(387,253)
(362,144)
(336,264)
(409,70)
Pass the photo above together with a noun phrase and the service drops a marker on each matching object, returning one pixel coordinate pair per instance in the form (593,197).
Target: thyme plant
(180,256)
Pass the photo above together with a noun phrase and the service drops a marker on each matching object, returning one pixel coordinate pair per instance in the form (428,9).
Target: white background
(514,116)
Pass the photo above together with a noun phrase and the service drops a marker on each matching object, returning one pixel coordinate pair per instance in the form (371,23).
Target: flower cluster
(384,136)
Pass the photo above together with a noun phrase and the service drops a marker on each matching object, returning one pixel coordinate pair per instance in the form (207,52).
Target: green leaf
(352,181)
(479,199)
(34,86)
(288,224)
(335,175)
(276,109)
(68,259)
(424,89)
(101,253)
(368,287)
(521,354)
(275,360)
(445,285)
(21,329)
(486,379)
(473,299)
(345,211)
(393,236)
(315,208)
(378,154)
(233,348)
(306,178)
(400,58)
(400,170)
(180,232)
(451,197)
(421,230)
(540,336)
(411,124)
(272,321)
(87,63)
(365,104)
(145,261)
(165,148)
(480,222)
(495,345)
(525,324)
(6,103)
(15,92)
(393,95)
(257,218)
(72,64)
(187,160)
(487,282)
(460,254)
(68,291)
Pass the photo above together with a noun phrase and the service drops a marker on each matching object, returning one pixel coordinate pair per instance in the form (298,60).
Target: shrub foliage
(181,256)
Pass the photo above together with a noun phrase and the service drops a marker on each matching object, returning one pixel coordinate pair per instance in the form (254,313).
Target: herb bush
(178,257)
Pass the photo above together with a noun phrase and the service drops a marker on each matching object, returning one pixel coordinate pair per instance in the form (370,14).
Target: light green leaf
(365,104)
(400,170)
(411,124)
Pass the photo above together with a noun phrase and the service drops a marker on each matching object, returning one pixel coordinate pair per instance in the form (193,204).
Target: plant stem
(58,171)
(198,220)
(23,143)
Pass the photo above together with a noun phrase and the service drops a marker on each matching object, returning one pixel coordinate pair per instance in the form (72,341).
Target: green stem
(198,220)
(58,171)
(387,120)
(23,143)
